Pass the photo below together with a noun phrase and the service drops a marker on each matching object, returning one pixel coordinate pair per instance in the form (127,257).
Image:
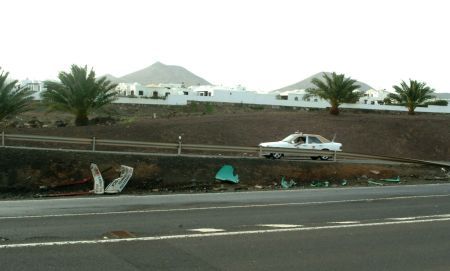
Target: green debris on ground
(374,183)
(344,182)
(320,183)
(285,184)
(396,180)
(226,173)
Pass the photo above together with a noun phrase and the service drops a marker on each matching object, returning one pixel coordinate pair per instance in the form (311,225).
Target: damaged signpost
(116,186)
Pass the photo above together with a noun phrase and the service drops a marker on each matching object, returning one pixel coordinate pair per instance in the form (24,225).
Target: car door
(314,143)
(302,144)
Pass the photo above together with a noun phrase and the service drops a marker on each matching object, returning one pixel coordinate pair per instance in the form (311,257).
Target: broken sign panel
(99,183)
(117,185)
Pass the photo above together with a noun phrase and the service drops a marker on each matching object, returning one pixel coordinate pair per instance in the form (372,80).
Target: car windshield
(289,138)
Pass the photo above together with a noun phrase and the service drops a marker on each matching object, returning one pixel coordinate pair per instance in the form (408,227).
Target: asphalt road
(379,228)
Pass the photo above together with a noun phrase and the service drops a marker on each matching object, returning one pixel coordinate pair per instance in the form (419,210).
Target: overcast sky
(263,45)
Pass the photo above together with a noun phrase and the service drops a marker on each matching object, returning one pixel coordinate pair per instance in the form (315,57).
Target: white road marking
(402,218)
(217,234)
(225,207)
(207,230)
(418,217)
(345,222)
(280,225)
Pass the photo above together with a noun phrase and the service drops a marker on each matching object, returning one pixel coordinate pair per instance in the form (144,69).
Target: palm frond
(13,99)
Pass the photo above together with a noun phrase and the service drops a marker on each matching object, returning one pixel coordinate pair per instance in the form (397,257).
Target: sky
(260,44)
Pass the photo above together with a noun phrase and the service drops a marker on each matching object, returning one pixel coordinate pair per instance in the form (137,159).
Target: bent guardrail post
(93,143)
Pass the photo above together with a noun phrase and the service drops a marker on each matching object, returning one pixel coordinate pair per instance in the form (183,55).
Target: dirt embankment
(423,136)
(24,172)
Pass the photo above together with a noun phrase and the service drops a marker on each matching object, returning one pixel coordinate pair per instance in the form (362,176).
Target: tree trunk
(81,120)
(411,110)
(334,110)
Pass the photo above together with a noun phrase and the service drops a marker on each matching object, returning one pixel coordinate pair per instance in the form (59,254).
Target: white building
(220,91)
(159,91)
(133,90)
(164,90)
(374,96)
(34,85)
(297,96)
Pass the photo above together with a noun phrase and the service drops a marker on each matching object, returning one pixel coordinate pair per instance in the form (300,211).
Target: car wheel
(314,157)
(324,158)
(277,155)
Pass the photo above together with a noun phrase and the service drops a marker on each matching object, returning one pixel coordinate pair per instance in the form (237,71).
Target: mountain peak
(161,73)
(157,64)
(306,83)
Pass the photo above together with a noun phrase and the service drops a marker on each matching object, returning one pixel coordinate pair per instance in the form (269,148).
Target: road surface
(379,228)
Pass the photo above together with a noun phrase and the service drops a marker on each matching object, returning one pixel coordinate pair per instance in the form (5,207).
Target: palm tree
(79,93)
(13,99)
(412,95)
(336,89)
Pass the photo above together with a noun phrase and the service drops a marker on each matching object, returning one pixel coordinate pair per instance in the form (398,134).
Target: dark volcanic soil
(33,173)
(423,136)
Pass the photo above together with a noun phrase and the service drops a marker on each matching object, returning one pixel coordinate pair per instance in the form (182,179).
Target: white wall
(270,99)
(429,109)
(170,100)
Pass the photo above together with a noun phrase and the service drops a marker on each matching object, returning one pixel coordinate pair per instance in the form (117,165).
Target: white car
(302,141)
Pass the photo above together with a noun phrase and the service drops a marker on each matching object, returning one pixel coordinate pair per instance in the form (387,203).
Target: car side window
(313,140)
(300,140)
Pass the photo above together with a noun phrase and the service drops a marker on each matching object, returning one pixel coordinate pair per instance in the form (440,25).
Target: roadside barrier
(180,148)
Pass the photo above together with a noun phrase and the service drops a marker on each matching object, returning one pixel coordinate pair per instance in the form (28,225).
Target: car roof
(303,134)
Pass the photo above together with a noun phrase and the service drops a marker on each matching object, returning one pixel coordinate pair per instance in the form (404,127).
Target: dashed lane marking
(280,225)
(345,222)
(418,217)
(207,230)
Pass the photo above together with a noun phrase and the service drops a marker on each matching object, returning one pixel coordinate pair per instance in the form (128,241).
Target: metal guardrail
(179,147)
